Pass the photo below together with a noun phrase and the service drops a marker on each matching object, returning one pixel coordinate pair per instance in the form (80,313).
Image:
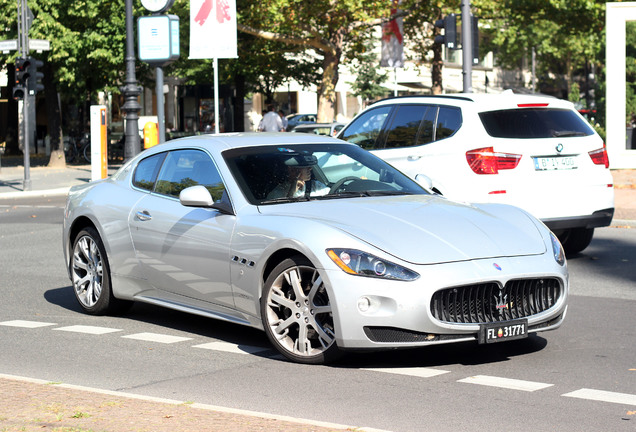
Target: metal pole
(467,47)
(23,47)
(131,90)
(216,95)
(161,117)
(534,59)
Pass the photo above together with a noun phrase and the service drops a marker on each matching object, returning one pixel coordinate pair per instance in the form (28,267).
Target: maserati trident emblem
(559,147)
(495,265)
(501,302)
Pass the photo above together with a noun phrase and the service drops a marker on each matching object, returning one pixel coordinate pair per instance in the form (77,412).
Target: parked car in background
(319,243)
(330,129)
(534,152)
(294,120)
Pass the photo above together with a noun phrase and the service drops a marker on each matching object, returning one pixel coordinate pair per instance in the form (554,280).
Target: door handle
(413,157)
(143,216)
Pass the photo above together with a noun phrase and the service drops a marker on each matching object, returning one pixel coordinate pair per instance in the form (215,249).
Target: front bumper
(400,314)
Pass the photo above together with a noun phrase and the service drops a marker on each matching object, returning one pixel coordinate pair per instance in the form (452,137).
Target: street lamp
(131,91)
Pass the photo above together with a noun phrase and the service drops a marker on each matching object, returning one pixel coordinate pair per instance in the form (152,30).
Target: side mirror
(199,196)
(425,182)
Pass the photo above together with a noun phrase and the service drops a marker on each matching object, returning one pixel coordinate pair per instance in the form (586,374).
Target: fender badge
(495,265)
(559,147)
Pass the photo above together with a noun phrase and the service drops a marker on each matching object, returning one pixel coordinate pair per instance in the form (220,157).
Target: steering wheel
(337,185)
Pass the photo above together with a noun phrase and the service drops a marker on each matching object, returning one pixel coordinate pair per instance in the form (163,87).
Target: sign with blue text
(158,39)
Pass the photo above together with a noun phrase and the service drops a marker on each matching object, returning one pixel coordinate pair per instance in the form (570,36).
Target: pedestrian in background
(271,121)
(284,119)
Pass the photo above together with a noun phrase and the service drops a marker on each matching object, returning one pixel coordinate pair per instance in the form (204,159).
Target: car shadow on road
(465,353)
(167,319)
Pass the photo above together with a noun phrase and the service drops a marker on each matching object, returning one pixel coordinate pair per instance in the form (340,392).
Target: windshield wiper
(285,200)
(560,134)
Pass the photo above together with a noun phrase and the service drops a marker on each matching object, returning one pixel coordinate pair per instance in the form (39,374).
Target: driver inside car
(299,179)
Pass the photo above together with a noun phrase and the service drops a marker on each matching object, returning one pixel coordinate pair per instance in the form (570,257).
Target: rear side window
(449,120)
(534,123)
(185,168)
(405,126)
(364,130)
(147,170)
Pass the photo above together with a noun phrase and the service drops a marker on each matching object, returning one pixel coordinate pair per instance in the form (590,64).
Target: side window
(405,126)
(364,130)
(449,120)
(146,171)
(185,168)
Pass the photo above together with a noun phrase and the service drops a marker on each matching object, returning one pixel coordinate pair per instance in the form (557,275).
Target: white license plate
(555,163)
(500,332)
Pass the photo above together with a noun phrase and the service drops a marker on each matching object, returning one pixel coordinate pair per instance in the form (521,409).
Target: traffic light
(34,83)
(449,38)
(21,75)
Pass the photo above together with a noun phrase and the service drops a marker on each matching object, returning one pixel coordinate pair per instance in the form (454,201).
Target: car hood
(425,229)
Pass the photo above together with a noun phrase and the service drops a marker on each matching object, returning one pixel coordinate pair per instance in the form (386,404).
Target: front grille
(489,302)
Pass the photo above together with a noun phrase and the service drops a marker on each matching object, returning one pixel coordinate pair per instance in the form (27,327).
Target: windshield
(271,175)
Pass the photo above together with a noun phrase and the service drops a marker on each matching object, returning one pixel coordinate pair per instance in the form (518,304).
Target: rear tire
(90,274)
(576,239)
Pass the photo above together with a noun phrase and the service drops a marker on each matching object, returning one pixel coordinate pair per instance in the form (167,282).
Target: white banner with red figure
(393,40)
(213,29)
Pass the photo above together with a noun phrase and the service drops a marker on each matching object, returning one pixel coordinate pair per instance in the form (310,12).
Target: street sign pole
(467,47)
(23,47)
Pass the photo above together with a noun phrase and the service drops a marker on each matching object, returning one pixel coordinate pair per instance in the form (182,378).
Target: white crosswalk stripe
(414,371)
(603,396)
(26,324)
(88,329)
(231,348)
(507,383)
(156,337)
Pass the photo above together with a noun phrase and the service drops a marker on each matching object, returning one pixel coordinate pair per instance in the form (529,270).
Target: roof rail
(444,96)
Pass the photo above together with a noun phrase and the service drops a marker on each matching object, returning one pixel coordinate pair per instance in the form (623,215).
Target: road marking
(507,383)
(156,337)
(232,348)
(416,371)
(603,396)
(26,324)
(88,329)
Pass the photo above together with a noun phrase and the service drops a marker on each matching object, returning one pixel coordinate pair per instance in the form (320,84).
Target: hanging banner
(213,29)
(393,40)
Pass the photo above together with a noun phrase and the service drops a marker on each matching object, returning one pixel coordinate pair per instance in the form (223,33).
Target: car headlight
(360,263)
(557,249)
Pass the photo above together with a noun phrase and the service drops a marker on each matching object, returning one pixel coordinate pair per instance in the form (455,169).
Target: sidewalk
(36,405)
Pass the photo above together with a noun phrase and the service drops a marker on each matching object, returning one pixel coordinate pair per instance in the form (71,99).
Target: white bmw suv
(534,152)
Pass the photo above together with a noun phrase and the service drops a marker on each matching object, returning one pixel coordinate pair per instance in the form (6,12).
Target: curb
(37,193)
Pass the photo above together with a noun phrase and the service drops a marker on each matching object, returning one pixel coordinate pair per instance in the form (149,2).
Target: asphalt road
(581,377)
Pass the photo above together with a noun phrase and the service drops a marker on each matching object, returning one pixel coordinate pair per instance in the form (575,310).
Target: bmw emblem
(495,265)
(559,147)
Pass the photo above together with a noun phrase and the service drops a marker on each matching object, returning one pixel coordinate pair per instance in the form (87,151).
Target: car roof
(483,101)
(247,139)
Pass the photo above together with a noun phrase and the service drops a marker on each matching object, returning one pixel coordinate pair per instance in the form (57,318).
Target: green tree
(564,34)
(333,29)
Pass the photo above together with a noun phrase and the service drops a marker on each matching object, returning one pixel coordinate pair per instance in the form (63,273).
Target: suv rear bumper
(599,218)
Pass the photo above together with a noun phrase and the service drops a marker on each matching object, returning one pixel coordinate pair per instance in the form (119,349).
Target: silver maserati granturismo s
(317,242)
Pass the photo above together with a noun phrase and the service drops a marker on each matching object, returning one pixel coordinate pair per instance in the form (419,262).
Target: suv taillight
(599,157)
(486,161)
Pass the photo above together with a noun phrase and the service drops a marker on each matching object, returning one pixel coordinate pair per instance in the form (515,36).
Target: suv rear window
(534,123)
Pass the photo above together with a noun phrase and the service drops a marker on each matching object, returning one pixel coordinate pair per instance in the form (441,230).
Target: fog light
(364,303)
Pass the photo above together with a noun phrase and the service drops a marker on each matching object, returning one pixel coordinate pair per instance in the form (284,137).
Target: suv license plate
(555,163)
(504,331)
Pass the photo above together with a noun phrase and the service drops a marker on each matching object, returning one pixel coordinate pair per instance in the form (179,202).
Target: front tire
(297,314)
(90,274)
